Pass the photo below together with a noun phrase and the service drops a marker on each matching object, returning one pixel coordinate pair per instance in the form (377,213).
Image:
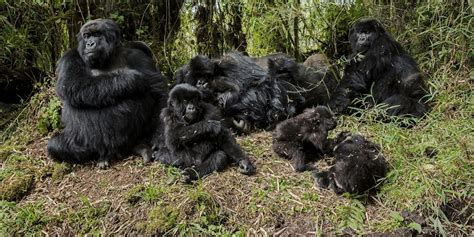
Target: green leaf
(415,226)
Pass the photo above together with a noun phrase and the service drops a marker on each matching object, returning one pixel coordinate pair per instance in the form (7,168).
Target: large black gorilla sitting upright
(109,91)
(381,67)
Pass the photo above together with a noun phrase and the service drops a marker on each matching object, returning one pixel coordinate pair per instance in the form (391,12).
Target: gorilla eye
(86,35)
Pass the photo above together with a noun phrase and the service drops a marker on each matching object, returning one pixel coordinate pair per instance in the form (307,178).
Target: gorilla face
(185,102)
(203,70)
(363,33)
(98,39)
(324,117)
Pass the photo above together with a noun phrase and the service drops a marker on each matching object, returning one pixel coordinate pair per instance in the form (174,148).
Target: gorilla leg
(230,147)
(144,151)
(61,149)
(292,151)
(216,161)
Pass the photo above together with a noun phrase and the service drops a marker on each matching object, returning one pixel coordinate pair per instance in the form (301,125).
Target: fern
(353,216)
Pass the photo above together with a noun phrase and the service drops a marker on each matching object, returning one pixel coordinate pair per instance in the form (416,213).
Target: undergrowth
(430,159)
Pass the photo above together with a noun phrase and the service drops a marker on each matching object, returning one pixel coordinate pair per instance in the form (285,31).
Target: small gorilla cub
(304,138)
(381,67)
(196,140)
(357,168)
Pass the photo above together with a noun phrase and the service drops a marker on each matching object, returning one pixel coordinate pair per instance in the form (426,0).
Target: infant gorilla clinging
(195,137)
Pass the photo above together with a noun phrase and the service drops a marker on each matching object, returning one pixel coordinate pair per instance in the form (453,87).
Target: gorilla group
(111,94)
(358,165)
(116,102)
(381,67)
(247,97)
(259,92)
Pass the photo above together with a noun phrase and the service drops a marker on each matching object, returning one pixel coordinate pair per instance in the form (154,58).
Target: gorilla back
(109,92)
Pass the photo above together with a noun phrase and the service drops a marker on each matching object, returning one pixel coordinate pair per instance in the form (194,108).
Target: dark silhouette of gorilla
(304,138)
(381,67)
(247,96)
(111,95)
(195,137)
(357,168)
(305,86)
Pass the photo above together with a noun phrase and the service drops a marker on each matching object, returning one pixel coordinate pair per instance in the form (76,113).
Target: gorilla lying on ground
(381,67)
(306,86)
(304,138)
(246,95)
(358,165)
(109,92)
(195,137)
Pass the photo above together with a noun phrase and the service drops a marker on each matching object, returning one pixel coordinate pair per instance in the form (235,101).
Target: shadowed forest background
(428,188)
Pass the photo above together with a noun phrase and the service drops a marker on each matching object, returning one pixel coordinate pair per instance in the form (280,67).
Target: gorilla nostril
(190,108)
(90,44)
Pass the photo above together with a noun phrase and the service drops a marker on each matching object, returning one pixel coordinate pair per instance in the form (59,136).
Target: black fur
(247,96)
(195,137)
(305,86)
(109,92)
(381,67)
(357,168)
(304,138)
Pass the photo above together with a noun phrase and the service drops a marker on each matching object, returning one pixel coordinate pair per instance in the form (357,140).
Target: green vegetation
(431,159)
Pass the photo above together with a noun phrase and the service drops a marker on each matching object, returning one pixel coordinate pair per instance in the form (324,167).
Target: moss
(50,116)
(25,220)
(59,171)
(161,219)
(16,186)
(134,195)
(88,219)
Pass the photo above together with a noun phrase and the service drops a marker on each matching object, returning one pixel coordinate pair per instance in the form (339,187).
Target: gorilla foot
(246,167)
(189,175)
(242,125)
(145,152)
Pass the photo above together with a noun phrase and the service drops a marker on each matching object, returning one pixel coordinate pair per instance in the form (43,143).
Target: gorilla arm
(352,84)
(82,87)
(182,135)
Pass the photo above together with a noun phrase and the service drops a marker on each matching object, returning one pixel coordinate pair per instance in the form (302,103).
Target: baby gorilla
(304,138)
(195,137)
(357,168)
